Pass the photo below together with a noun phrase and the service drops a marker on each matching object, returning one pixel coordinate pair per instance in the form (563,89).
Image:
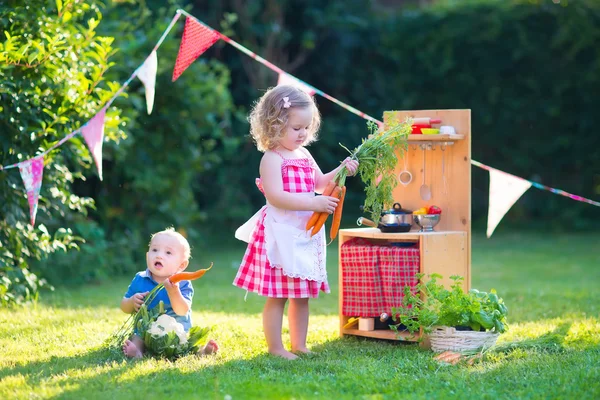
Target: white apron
(288,245)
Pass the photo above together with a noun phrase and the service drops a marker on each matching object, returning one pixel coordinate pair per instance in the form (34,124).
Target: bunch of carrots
(452,357)
(317,220)
(126,330)
(377,160)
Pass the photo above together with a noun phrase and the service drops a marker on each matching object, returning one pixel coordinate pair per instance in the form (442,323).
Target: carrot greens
(377,158)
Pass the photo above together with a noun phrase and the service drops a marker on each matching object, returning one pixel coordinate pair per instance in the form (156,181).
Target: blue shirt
(143,282)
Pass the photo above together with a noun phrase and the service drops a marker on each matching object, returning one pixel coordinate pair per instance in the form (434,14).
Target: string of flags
(505,189)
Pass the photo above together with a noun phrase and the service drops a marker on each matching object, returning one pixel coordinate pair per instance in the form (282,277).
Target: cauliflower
(165,324)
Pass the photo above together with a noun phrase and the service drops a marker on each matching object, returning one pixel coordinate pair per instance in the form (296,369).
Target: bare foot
(210,348)
(284,353)
(302,350)
(131,350)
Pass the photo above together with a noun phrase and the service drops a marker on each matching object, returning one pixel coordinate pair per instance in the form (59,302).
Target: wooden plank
(343,237)
(434,138)
(445,255)
(382,334)
(451,191)
(374,233)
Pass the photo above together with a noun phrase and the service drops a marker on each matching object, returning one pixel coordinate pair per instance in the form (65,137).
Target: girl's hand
(351,165)
(325,204)
(138,300)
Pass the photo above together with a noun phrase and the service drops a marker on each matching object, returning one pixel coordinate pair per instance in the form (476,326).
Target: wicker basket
(444,338)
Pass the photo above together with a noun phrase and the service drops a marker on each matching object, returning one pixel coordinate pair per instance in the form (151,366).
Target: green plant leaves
(454,307)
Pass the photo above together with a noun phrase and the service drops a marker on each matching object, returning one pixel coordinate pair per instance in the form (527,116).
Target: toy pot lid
(396,209)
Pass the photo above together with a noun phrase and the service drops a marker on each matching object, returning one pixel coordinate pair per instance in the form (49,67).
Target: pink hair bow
(286,102)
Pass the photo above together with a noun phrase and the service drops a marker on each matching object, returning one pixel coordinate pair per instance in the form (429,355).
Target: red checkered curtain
(374,276)
(398,267)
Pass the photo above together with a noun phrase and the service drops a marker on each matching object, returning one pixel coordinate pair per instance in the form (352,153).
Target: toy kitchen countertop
(375,233)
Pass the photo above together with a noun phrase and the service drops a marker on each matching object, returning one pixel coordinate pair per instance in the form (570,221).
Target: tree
(52,67)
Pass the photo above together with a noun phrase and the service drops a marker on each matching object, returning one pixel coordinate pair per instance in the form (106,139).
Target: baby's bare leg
(134,347)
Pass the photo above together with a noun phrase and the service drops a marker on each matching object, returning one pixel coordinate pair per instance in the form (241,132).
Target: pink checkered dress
(256,274)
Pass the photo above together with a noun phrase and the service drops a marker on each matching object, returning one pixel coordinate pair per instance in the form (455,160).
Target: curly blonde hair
(269,117)
(179,237)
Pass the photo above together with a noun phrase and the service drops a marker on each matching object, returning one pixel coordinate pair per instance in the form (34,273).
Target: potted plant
(452,319)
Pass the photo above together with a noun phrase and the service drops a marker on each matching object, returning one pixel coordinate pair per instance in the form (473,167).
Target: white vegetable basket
(444,338)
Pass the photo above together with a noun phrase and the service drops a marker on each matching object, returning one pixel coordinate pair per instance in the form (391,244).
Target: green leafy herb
(377,157)
(431,304)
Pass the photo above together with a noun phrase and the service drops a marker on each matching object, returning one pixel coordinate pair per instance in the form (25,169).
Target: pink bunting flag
(31,172)
(505,190)
(93,133)
(287,79)
(196,40)
(147,74)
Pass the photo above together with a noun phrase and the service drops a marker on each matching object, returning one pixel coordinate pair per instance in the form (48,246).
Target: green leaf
(33,56)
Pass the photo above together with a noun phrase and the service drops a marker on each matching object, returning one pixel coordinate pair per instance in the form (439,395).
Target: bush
(54,84)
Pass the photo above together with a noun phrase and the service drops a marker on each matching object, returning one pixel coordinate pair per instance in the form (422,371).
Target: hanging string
(540,186)
(106,105)
(275,68)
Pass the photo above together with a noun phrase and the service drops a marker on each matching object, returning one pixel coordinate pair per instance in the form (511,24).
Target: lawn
(549,282)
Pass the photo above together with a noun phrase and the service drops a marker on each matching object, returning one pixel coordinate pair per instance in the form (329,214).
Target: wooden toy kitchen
(375,264)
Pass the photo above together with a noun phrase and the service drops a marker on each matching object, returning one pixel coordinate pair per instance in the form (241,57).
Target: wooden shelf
(375,233)
(383,334)
(434,138)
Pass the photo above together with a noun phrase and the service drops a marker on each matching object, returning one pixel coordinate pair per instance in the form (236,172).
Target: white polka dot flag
(93,133)
(287,79)
(147,74)
(196,40)
(32,171)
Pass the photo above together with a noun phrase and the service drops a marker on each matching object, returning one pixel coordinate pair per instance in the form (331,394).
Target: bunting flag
(196,40)
(147,74)
(31,173)
(505,190)
(93,133)
(287,79)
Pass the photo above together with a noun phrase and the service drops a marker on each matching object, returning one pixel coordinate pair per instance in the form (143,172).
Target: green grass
(550,284)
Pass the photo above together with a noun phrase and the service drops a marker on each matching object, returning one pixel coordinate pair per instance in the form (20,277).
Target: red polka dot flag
(196,40)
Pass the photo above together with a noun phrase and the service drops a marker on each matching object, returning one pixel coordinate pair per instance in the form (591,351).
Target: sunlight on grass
(54,349)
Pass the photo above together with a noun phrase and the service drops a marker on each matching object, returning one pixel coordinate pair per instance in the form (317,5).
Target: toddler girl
(282,260)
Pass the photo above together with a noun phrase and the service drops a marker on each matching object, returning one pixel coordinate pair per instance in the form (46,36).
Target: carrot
(449,357)
(312,220)
(442,355)
(323,217)
(337,216)
(331,185)
(326,192)
(189,276)
(474,358)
